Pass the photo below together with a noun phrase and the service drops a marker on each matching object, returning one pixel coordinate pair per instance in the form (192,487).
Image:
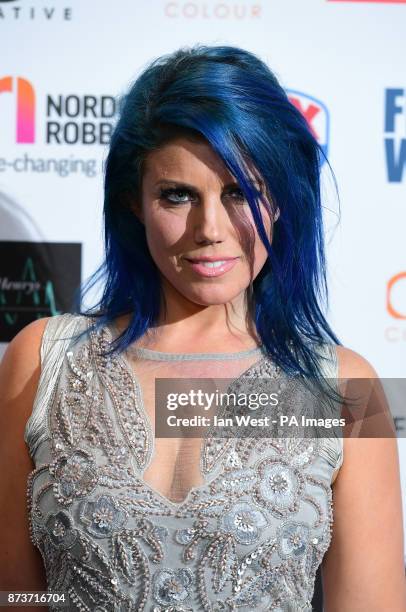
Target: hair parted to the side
(231,98)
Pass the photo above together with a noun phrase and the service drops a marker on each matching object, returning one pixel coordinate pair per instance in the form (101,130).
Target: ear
(136,208)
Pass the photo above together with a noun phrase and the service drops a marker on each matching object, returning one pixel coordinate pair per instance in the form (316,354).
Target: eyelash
(166,193)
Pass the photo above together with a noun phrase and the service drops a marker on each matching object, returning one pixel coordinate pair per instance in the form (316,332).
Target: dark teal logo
(36,280)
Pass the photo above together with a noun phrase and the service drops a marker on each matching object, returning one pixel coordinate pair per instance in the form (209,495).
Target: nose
(210,221)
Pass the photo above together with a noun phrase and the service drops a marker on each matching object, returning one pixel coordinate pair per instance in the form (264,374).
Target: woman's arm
(363,570)
(21,566)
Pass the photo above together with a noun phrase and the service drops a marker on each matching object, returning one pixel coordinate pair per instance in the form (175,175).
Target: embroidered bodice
(249,535)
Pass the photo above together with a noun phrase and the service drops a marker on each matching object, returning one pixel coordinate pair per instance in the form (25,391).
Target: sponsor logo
(316,114)
(54,119)
(37,279)
(223,11)
(25,107)
(25,12)
(83,119)
(395,134)
(396,307)
(393,291)
(69,119)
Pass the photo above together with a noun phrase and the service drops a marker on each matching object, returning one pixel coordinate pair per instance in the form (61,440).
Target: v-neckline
(122,359)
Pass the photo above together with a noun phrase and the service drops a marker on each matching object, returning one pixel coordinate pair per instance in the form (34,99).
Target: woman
(214,268)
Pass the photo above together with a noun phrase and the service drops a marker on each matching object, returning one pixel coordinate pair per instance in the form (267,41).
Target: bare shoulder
(25,346)
(372,416)
(373,432)
(20,370)
(353,365)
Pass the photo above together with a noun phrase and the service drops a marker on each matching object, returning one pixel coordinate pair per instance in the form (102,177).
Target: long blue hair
(231,98)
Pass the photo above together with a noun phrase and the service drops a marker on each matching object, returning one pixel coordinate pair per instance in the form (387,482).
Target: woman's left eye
(236,195)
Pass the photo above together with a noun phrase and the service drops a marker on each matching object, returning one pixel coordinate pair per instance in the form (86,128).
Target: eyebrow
(181,184)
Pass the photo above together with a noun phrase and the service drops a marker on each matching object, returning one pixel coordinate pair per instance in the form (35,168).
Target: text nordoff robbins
(250,421)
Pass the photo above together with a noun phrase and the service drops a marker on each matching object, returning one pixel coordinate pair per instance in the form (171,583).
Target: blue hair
(231,98)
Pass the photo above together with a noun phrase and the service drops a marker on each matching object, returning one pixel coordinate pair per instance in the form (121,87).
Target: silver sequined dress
(249,537)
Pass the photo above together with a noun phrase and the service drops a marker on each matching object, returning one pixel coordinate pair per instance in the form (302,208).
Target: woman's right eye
(176,196)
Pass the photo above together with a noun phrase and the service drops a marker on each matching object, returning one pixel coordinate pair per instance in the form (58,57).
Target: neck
(215,327)
(180,315)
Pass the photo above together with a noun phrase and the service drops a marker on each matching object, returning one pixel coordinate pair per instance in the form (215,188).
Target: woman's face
(191,207)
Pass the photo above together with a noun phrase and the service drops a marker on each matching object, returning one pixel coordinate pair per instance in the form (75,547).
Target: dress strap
(332,448)
(57,336)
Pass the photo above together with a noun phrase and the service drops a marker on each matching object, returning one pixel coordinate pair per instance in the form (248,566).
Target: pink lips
(200,268)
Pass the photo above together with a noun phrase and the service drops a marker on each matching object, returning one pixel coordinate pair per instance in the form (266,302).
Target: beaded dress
(243,525)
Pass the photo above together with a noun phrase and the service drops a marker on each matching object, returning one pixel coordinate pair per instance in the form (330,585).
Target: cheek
(164,232)
(260,254)
(259,250)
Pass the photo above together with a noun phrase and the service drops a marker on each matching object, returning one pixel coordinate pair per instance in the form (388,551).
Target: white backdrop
(347,56)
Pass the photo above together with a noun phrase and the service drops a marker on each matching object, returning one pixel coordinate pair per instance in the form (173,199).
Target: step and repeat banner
(63,66)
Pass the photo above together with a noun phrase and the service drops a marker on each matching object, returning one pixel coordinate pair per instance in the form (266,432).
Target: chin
(212,297)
